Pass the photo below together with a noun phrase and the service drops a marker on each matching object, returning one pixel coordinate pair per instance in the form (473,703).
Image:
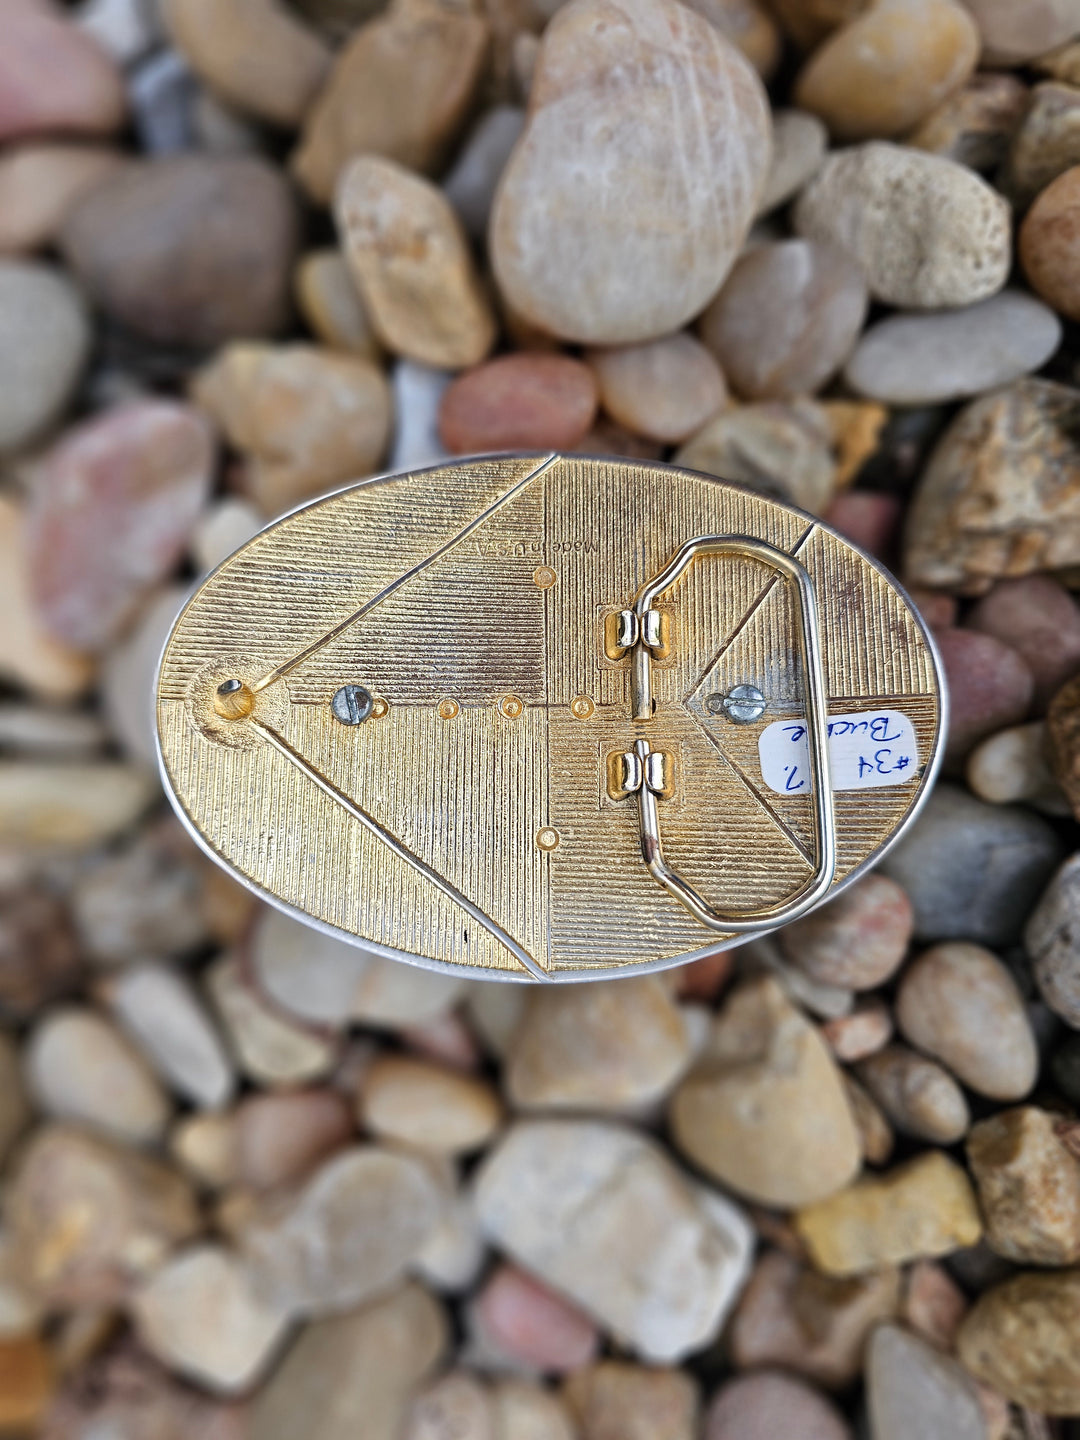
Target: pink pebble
(937,609)
(1038,617)
(445,1038)
(869,519)
(990,688)
(772,1406)
(525,401)
(281,1138)
(54,78)
(527,1322)
(703,979)
(864,1032)
(111,509)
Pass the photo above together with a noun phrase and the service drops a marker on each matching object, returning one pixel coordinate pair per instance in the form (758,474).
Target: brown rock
(918,1096)
(792,1317)
(609,1045)
(411,259)
(868,518)
(26,1383)
(922,1209)
(279,1139)
(780,448)
(1011,35)
(928,233)
(665,389)
(29,654)
(1000,496)
(54,79)
(933,1304)
(522,401)
(110,513)
(89,1219)
(256,54)
(330,303)
(1046,144)
(427,1107)
(634,1403)
(857,940)
(306,419)
(959,1003)
(39,957)
(990,686)
(39,183)
(582,239)
(188,249)
(401,88)
(786,319)
(1050,241)
(1029,1187)
(1063,740)
(976,123)
(885,71)
(1020,1337)
(759,1407)
(1040,620)
(764,1109)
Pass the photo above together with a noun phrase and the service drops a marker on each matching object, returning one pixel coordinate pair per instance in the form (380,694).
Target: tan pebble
(1050,241)
(330,303)
(39,183)
(864,1032)
(1012,34)
(204,1145)
(749,26)
(809,22)
(959,1003)
(1046,143)
(857,940)
(887,70)
(996,498)
(89,1218)
(609,1045)
(456,1404)
(411,259)
(764,1109)
(632,1402)
(524,1411)
(876,1134)
(1029,1187)
(278,1140)
(786,319)
(792,1317)
(933,1304)
(665,389)
(200,1316)
(400,88)
(927,232)
(779,448)
(271,1047)
(60,807)
(1013,766)
(257,55)
(308,419)
(800,141)
(975,124)
(857,427)
(27,1380)
(922,1209)
(521,401)
(28,654)
(581,240)
(414,1102)
(1020,1338)
(1061,63)
(919,1097)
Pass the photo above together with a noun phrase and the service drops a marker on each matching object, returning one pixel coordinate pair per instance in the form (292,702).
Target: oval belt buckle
(446,716)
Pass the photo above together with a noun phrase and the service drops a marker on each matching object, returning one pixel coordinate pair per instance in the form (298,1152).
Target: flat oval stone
(914,1392)
(522,401)
(932,359)
(786,318)
(643,161)
(918,1096)
(188,249)
(665,389)
(1050,243)
(927,232)
(885,71)
(44,344)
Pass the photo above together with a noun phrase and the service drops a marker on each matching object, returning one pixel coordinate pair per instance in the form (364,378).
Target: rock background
(253,1187)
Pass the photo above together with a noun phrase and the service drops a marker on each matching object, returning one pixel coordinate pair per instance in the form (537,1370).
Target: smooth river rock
(928,233)
(44,344)
(600,1212)
(932,359)
(644,158)
(914,1392)
(665,389)
(1052,942)
(764,1108)
(856,941)
(1049,245)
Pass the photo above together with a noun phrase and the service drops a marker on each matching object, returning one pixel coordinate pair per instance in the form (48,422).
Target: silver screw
(229,687)
(352,704)
(743,704)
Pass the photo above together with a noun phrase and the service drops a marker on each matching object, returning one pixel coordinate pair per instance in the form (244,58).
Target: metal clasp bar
(817,727)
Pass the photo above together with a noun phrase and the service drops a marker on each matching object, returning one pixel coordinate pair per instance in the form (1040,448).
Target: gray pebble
(44,343)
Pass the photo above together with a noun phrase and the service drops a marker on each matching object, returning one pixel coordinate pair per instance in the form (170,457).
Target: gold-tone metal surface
(463,815)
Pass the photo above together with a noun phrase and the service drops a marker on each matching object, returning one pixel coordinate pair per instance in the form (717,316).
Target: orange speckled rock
(1050,244)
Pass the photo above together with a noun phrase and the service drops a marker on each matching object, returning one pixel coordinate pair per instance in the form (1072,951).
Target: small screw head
(234,700)
(352,704)
(544,577)
(511,706)
(582,707)
(448,709)
(548,839)
(743,704)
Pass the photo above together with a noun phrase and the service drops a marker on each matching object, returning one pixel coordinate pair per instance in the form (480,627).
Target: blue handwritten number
(791,771)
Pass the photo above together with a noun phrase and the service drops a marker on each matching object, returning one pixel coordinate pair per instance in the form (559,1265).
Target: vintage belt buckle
(548,717)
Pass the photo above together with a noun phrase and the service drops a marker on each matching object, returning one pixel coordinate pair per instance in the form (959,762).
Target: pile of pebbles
(255,1186)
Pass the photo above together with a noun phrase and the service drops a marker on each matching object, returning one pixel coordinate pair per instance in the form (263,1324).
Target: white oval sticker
(876,747)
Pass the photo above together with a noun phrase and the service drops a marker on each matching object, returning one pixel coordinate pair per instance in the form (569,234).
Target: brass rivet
(379,708)
(547,839)
(511,706)
(233,700)
(448,709)
(582,707)
(544,577)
